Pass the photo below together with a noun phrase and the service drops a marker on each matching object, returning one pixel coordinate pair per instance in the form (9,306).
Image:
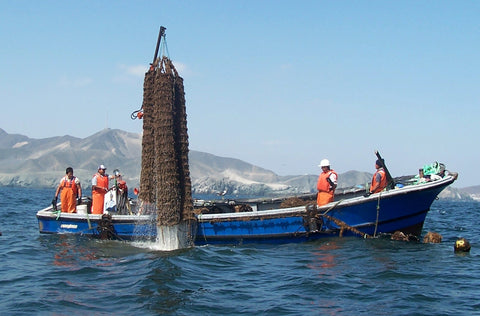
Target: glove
(367,194)
(54,204)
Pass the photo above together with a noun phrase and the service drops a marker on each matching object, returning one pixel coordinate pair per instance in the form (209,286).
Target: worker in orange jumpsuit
(99,188)
(70,192)
(326,184)
(379,180)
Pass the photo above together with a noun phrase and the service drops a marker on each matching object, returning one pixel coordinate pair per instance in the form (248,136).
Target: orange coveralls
(98,194)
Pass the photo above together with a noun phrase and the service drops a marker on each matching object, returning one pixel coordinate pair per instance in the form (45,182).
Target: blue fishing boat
(402,208)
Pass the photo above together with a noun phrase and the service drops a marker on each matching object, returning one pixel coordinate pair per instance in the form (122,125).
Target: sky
(278,84)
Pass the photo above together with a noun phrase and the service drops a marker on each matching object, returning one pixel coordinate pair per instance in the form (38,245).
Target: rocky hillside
(473,192)
(41,163)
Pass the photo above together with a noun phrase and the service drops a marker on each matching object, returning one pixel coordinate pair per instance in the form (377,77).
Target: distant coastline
(40,163)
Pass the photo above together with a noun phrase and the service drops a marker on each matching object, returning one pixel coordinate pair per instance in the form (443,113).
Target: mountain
(473,192)
(32,162)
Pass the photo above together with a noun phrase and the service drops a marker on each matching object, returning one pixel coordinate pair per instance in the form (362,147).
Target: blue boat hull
(123,227)
(386,212)
(403,209)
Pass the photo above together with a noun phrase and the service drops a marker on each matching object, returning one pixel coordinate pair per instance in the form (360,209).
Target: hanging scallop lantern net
(165,183)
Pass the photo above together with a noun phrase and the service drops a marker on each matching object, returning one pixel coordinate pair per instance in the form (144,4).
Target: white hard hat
(324,163)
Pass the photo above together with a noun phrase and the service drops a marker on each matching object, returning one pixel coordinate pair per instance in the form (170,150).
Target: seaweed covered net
(165,177)
(148,156)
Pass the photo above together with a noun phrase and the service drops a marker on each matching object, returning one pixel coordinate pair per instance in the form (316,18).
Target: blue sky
(279,84)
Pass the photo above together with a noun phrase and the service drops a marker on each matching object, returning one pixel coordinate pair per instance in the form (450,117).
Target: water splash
(173,237)
(168,238)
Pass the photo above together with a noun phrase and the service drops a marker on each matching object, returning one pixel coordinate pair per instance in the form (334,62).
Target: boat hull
(403,209)
(126,227)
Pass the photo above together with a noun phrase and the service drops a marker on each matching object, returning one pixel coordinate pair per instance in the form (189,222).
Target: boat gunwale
(49,213)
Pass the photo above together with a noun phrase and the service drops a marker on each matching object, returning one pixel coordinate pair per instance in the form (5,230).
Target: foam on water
(169,238)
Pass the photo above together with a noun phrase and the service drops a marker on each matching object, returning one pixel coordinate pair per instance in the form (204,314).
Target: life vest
(69,194)
(70,184)
(323,185)
(325,192)
(383,181)
(98,194)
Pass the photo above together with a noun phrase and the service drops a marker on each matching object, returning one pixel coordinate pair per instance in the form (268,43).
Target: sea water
(75,275)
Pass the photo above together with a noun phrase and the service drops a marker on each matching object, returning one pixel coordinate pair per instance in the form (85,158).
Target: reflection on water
(325,259)
(68,253)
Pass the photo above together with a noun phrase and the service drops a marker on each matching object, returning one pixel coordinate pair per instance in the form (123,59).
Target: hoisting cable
(162,46)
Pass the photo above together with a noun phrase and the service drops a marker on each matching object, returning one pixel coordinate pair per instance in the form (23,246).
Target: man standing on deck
(379,180)
(99,188)
(327,183)
(70,191)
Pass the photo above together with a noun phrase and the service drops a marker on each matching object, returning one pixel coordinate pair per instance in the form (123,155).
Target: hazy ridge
(29,162)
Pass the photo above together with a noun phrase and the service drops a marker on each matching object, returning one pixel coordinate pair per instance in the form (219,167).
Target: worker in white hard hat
(327,183)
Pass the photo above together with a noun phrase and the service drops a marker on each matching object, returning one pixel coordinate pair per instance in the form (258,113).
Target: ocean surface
(75,275)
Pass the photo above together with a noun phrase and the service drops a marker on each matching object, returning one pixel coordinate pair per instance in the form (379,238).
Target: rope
(378,214)
(332,207)
(163,49)
(105,227)
(204,236)
(341,223)
(344,226)
(311,210)
(163,46)
(134,114)
(88,221)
